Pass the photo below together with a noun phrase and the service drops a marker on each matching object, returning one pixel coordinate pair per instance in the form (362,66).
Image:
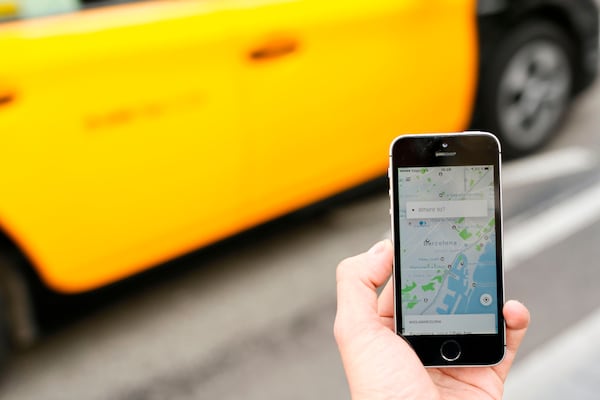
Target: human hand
(381,365)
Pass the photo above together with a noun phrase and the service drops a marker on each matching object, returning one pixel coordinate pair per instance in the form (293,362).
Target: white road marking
(547,166)
(551,226)
(562,368)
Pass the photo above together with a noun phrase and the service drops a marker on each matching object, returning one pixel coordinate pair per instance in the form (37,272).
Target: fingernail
(377,247)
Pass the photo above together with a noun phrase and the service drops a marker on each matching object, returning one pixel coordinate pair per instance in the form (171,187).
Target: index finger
(517,319)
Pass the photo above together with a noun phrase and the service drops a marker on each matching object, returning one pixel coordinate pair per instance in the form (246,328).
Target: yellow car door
(130,134)
(328,84)
(116,138)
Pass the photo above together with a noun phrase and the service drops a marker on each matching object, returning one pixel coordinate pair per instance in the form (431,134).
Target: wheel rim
(533,93)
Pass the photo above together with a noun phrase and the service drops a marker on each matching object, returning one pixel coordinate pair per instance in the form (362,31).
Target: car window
(26,9)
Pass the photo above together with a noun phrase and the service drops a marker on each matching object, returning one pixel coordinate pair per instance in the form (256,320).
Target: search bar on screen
(446,209)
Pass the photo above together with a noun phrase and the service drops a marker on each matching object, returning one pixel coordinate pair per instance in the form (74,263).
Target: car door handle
(6,98)
(273,49)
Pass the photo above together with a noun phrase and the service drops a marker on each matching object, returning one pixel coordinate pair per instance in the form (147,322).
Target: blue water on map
(484,278)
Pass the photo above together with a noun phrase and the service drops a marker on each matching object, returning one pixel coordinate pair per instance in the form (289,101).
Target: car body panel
(350,87)
(135,133)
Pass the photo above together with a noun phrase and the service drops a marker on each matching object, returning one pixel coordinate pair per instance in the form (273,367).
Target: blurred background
(239,149)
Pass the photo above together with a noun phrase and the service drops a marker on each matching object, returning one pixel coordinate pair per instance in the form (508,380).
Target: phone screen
(447,250)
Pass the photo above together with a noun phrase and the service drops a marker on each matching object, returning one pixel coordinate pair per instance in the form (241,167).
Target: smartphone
(446,207)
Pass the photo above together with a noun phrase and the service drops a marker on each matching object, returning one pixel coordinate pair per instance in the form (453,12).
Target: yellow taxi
(132,132)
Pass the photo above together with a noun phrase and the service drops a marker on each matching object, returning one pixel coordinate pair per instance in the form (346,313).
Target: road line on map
(547,166)
(551,226)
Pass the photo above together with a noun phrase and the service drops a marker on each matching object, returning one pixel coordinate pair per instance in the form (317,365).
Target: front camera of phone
(445,145)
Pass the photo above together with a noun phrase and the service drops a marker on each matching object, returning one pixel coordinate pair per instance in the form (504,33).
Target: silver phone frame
(500,205)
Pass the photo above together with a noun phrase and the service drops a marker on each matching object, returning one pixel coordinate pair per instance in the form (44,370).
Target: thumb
(358,278)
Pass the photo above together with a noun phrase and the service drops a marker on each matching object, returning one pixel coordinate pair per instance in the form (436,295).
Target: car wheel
(5,340)
(526,88)
(18,326)
(5,345)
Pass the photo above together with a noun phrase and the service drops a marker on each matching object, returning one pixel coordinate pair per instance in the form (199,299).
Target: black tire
(5,336)
(5,344)
(525,90)
(18,327)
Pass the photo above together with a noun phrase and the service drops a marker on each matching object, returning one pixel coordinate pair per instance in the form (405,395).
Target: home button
(450,350)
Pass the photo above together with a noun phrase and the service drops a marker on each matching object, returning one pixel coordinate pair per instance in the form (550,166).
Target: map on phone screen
(448,250)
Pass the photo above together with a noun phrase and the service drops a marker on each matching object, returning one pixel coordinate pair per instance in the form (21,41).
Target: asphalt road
(253,318)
